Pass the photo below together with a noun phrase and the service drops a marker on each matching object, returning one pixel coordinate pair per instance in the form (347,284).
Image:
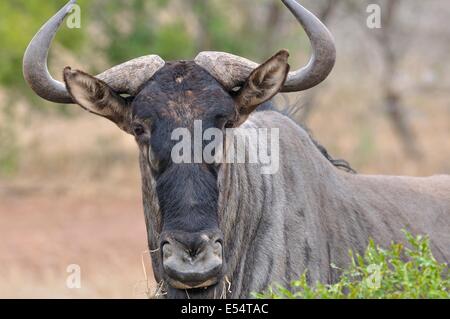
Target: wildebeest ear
(263,84)
(98,98)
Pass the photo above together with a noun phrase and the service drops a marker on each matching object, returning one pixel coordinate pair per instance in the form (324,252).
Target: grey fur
(309,214)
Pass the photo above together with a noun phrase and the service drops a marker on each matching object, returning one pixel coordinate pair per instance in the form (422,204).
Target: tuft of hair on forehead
(182,91)
(183,75)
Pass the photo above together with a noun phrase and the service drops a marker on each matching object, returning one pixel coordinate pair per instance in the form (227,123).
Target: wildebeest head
(149,98)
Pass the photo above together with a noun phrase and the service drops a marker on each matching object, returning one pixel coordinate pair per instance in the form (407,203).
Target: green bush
(399,272)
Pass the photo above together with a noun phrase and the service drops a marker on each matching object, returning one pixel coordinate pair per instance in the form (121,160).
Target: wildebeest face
(177,96)
(191,242)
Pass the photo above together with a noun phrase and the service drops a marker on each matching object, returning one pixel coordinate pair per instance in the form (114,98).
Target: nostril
(218,243)
(218,247)
(166,249)
(163,243)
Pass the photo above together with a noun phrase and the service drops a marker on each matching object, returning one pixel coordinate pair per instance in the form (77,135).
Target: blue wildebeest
(225,229)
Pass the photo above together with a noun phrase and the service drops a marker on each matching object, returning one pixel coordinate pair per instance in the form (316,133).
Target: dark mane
(339,163)
(290,111)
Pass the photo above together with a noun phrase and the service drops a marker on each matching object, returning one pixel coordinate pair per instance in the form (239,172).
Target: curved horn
(124,78)
(324,51)
(233,70)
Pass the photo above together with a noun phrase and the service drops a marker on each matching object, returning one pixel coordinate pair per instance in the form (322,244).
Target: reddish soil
(42,234)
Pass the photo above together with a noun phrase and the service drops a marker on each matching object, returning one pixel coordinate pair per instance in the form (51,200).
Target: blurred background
(69,181)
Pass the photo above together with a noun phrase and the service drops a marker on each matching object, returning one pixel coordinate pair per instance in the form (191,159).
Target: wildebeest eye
(138,130)
(229,124)
(223,121)
(236,89)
